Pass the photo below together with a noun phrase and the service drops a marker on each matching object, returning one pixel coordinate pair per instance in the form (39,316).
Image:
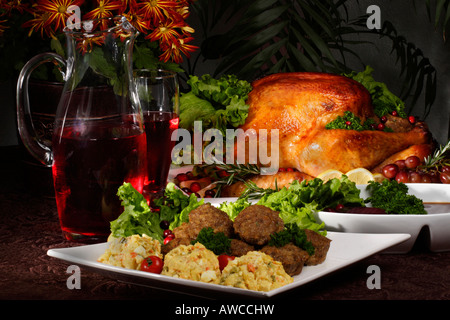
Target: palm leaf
(270,36)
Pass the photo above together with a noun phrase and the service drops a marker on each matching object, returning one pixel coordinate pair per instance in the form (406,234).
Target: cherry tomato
(223,260)
(390,170)
(152,264)
(412,162)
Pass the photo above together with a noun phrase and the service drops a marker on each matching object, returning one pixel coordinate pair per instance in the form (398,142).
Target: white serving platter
(345,249)
(436,224)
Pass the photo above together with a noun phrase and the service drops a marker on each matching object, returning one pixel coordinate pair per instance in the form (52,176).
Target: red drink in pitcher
(159,127)
(91,161)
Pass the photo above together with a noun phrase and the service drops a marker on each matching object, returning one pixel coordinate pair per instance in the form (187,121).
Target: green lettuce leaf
(218,103)
(175,205)
(232,209)
(383,100)
(298,203)
(136,218)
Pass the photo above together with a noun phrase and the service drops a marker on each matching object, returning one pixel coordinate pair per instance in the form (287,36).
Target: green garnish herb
(393,197)
(350,122)
(292,233)
(217,242)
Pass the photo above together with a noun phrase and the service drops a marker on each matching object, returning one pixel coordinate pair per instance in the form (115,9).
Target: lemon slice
(360,176)
(330,174)
(378,177)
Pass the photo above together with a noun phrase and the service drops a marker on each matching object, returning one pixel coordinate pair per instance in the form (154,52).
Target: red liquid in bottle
(91,161)
(159,127)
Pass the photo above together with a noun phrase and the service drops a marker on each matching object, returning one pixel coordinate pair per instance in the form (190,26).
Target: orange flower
(174,50)
(104,9)
(39,24)
(87,44)
(12,5)
(55,12)
(156,10)
(137,20)
(166,32)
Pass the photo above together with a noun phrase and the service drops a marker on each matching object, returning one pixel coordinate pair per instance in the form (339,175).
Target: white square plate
(345,249)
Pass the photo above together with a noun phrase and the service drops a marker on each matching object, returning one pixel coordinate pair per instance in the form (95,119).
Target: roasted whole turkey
(301,104)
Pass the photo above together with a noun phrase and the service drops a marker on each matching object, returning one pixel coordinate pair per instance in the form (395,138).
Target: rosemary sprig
(438,158)
(254,192)
(235,173)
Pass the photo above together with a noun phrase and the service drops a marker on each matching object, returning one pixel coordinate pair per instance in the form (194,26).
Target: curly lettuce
(298,203)
(218,103)
(383,100)
(137,217)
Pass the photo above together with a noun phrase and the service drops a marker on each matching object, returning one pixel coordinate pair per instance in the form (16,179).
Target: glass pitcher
(98,138)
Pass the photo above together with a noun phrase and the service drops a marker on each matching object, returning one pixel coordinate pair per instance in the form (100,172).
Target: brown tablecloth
(29,227)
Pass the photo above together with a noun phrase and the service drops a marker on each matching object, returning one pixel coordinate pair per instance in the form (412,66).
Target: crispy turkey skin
(300,104)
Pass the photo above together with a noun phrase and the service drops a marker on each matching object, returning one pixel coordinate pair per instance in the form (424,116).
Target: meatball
(240,248)
(208,216)
(291,257)
(321,245)
(184,231)
(256,223)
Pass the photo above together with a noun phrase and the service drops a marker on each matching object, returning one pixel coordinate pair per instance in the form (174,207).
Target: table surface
(29,226)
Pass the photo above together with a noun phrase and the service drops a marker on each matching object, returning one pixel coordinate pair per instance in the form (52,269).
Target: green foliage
(271,36)
(393,197)
(292,233)
(216,242)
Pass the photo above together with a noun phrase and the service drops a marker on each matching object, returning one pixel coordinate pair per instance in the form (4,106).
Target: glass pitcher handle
(26,128)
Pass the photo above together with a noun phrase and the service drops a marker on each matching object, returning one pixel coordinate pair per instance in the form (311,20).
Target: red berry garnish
(412,119)
(383,119)
(195,187)
(181,177)
(380,127)
(394,113)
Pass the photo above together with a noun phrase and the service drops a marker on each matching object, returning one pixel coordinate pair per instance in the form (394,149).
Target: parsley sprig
(217,242)
(292,233)
(393,197)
